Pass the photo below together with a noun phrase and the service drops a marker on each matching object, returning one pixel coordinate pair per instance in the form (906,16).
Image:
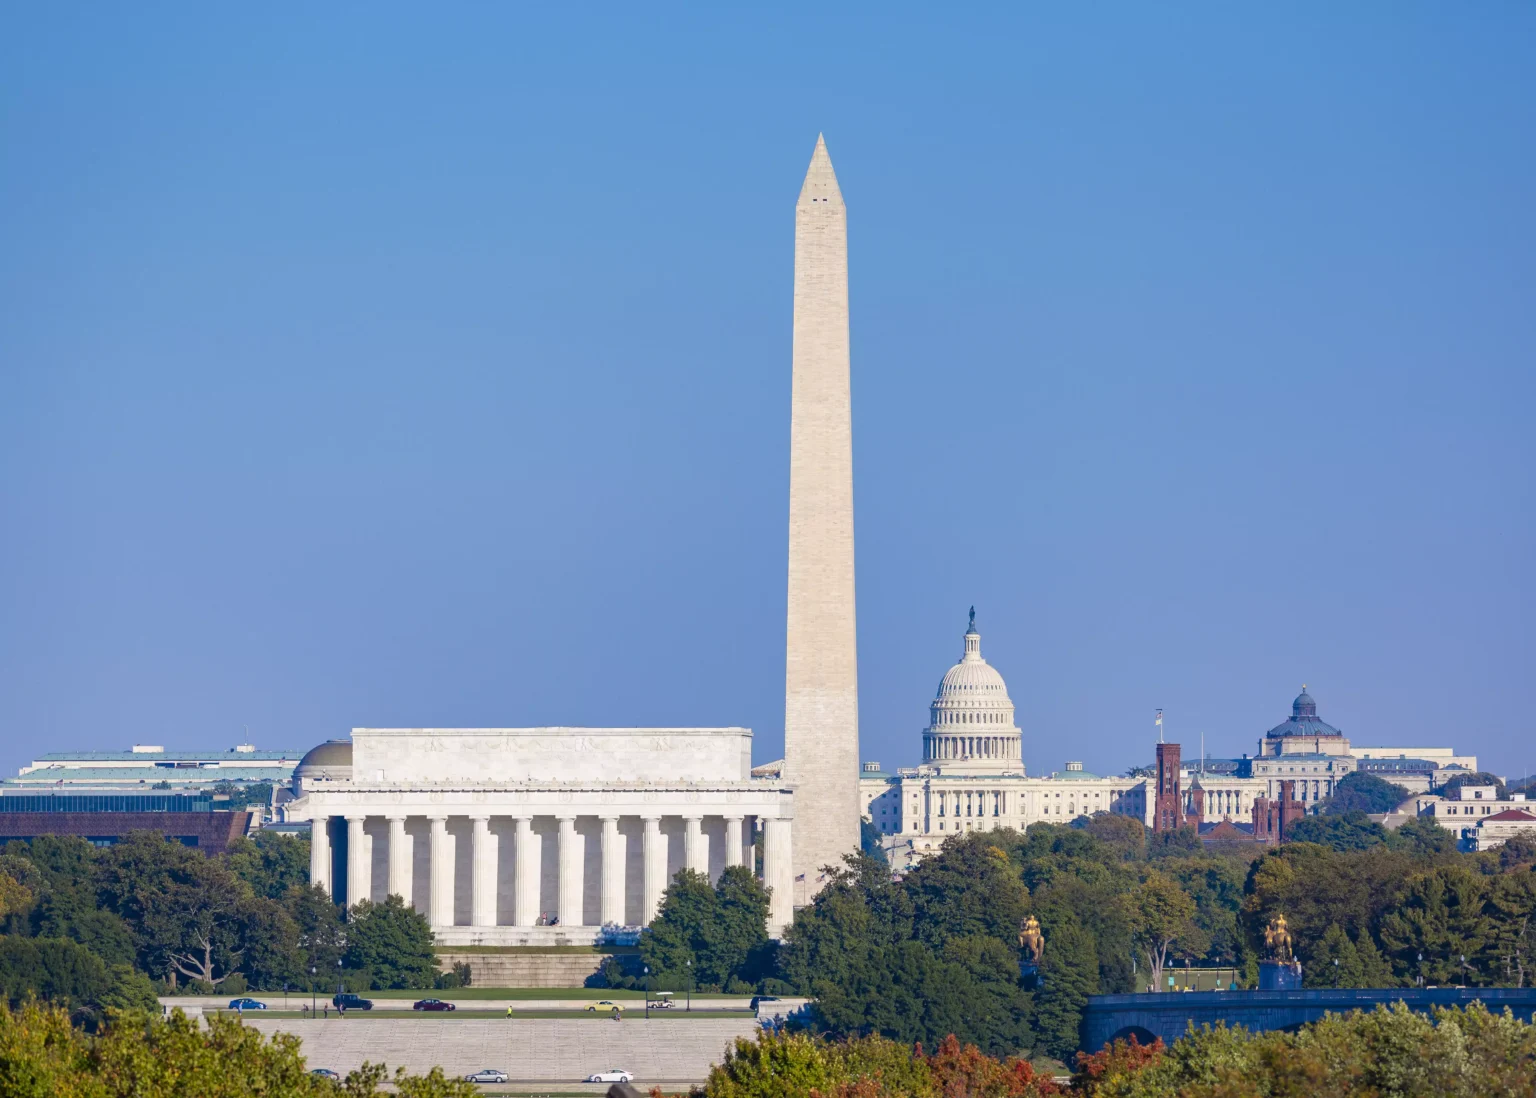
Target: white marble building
(525,836)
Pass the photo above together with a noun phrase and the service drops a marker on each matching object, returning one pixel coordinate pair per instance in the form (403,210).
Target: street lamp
(647,970)
(1421,970)
(311,991)
(689,963)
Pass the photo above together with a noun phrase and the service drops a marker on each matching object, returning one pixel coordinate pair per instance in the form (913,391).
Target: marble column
(440,875)
(611,903)
(359,877)
(749,852)
(399,859)
(320,852)
(778,875)
(695,848)
(654,858)
(568,906)
(525,873)
(482,879)
(732,840)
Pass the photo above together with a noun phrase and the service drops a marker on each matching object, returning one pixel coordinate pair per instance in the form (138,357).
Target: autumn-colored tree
(964,1071)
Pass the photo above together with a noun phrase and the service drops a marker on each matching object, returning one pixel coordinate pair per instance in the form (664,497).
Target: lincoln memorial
(532,836)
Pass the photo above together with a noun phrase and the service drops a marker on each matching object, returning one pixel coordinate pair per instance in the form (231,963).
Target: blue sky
(380,365)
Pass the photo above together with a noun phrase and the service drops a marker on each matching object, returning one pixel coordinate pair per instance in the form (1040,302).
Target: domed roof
(1303,720)
(972,682)
(331,761)
(329,753)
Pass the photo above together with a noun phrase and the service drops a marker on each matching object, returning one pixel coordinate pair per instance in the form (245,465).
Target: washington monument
(821,681)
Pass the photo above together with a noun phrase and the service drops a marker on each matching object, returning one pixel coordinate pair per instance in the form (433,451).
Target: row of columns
(485,857)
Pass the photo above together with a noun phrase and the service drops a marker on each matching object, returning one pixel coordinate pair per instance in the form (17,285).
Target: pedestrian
(509,1010)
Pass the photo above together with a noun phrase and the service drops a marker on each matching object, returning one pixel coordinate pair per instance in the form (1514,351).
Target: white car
(486,1075)
(612,1075)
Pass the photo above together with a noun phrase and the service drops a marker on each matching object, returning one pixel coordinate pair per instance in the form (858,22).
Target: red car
(432,1004)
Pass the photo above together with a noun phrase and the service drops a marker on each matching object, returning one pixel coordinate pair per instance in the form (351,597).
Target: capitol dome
(971,719)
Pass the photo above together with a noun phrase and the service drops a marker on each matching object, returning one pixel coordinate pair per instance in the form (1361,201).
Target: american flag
(1159,718)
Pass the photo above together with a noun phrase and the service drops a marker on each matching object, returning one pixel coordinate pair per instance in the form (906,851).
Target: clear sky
(377,365)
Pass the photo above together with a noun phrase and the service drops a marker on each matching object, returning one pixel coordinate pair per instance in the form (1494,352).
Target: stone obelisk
(821,682)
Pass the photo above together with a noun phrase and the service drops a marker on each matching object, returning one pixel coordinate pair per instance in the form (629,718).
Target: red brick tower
(1169,814)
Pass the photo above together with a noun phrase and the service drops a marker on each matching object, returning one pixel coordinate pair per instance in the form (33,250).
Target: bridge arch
(1143,1035)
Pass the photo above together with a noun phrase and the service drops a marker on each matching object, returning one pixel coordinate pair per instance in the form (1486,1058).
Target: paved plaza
(672,1050)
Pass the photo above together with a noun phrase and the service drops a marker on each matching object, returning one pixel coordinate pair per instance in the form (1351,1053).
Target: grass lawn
(462,993)
(467,1015)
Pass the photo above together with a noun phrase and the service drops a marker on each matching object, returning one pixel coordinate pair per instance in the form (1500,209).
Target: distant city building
(102,818)
(1481,819)
(151,765)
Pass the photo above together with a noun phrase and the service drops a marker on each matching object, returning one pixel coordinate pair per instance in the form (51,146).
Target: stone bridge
(1167,1015)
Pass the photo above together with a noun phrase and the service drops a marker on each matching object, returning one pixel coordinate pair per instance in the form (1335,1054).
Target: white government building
(972,776)
(530,836)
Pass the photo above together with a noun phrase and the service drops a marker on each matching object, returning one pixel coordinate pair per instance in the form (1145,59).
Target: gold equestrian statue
(1030,938)
(1277,939)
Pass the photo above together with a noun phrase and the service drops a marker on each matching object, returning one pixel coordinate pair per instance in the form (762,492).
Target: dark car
(432,1004)
(348,1001)
(756,999)
(325,1073)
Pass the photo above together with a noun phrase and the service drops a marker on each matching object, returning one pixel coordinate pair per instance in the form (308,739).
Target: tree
(1180,842)
(51,969)
(1422,836)
(42,1056)
(321,935)
(391,942)
(870,840)
(733,946)
(271,863)
(1069,974)
(72,913)
(1352,830)
(1162,914)
(1511,905)
(671,944)
(1361,792)
(1125,836)
(1439,915)
(1338,962)
(15,897)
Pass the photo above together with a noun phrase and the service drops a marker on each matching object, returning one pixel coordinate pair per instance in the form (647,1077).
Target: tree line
(102,927)
(937,951)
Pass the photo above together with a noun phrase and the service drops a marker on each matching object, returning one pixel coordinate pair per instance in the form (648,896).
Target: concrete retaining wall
(531,969)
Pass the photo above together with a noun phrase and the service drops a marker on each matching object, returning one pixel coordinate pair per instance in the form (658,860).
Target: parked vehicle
(612,1075)
(246,1004)
(347,1001)
(605,1004)
(432,1004)
(486,1075)
(757,999)
(325,1073)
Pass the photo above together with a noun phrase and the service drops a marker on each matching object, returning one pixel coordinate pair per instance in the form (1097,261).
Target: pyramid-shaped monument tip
(820,180)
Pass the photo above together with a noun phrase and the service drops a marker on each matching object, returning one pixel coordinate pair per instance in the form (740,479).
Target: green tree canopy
(392,943)
(1361,792)
(1352,830)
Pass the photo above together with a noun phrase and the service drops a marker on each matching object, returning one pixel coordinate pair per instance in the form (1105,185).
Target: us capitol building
(972,777)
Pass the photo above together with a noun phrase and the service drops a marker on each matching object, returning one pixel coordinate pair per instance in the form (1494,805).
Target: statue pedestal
(1279,975)
(1029,975)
